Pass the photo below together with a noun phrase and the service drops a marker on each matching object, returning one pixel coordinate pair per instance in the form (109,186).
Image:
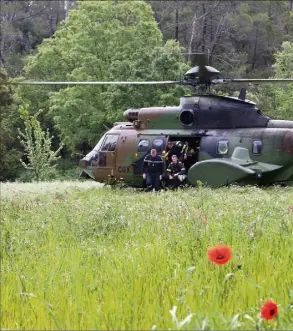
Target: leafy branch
(37,145)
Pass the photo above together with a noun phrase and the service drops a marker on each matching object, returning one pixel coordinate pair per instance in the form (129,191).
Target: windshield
(96,149)
(98,146)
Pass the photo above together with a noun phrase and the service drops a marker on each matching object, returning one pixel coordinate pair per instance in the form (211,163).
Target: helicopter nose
(83,163)
(288,142)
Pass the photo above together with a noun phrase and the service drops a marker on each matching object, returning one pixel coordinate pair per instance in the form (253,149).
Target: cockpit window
(143,145)
(99,144)
(109,144)
(256,147)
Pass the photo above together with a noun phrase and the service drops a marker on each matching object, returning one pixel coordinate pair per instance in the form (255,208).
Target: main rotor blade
(247,80)
(96,83)
(264,80)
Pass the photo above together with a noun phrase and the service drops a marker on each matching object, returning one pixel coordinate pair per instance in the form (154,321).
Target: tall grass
(121,259)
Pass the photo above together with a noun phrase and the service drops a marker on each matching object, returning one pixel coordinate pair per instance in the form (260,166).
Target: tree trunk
(255,49)
(57,19)
(270,10)
(211,29)
(192,36)
(2,56)
(50,17)
(218,34)
(204,28)
(177,21)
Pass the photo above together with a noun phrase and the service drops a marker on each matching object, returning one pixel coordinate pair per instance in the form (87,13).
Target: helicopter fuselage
(235,152)
(230,140)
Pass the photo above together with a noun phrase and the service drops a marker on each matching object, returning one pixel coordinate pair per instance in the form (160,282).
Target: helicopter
(231,140)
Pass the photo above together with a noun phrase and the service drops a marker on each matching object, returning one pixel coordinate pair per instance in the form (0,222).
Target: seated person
(176,172)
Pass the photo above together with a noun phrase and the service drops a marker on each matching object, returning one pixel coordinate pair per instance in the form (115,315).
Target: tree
(37,146)
(242,36)
(284,69)
(9,146)
(276,100)
(102,41)
(23,26)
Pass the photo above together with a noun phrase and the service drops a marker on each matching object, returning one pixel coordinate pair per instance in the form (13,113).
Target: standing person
(188,153)
(176,172)
(153,168)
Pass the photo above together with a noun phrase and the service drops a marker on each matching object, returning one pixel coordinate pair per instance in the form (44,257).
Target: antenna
(209,57)
(242,94)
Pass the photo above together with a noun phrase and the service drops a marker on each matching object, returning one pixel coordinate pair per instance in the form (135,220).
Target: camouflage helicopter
(231,141)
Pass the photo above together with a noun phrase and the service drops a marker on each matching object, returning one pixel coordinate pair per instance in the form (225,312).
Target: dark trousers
(175,182)
(153,179)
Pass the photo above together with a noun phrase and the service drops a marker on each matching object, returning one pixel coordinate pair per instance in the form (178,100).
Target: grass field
(78,256)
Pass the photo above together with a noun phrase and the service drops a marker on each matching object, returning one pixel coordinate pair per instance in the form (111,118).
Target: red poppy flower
(269,310)
(220,254)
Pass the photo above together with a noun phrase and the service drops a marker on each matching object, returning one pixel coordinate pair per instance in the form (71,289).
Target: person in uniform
(177,148)
(176,172)
(188,154)
(153,168)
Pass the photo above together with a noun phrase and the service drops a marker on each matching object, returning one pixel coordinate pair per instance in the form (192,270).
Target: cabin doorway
(193,149)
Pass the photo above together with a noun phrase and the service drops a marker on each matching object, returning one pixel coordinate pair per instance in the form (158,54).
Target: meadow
(80,256)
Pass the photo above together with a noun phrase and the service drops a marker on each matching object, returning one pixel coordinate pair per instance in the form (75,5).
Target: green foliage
(284,61)
(10,153)
(288,27)
(6,97)
(250,32)
(96,259)
(276,100)
(37,146)
(129,40)
(24,24)
(103,41)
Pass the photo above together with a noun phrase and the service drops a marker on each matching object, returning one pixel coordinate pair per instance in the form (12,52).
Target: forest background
(127,40)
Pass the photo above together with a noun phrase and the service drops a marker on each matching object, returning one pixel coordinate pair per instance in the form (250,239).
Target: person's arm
(184,151)
(182,169)
(161,166)
(169,171)
(144,166)
(167,153)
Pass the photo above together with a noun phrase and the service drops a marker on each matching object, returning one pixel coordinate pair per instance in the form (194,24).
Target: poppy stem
(221,283)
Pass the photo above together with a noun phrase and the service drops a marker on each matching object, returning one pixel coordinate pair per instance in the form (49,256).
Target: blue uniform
(177,169)
(153,167)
